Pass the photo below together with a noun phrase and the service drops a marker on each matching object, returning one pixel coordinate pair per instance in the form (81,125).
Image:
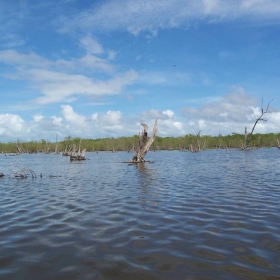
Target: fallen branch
(21,171)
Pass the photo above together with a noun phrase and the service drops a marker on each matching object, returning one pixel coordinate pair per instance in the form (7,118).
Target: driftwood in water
(68,151)
(144,143)
(20,170)
(80,155)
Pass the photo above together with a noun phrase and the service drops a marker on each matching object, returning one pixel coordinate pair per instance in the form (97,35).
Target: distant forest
(186,142)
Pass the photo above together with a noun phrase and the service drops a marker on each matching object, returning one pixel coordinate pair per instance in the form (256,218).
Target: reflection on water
(207,215)
(148,191)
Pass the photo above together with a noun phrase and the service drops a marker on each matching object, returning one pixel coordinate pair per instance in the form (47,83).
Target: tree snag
(248,136)
(144,143)
(277,143)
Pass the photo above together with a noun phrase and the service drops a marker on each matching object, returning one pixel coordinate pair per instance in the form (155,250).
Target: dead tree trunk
(144,143)
(197,143)
(248,136)
(244,146)
(277,143)
(18,150)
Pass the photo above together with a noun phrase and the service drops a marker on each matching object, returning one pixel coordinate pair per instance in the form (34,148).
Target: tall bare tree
(248,136)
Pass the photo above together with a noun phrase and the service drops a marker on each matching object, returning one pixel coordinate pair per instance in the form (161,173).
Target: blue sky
(98,69)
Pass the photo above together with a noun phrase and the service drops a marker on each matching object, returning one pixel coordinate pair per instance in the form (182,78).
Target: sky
(99,68)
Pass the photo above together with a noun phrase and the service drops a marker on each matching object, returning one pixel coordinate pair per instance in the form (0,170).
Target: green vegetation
(186,142)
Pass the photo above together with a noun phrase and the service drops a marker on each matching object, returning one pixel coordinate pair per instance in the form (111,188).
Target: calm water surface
(207,215)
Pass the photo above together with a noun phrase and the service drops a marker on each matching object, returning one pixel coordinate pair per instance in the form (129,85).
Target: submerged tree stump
(144,143)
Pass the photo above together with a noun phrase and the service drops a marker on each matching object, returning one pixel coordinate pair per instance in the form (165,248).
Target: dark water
(207,215)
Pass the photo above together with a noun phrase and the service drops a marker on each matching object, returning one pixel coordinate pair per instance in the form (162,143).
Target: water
(207,215)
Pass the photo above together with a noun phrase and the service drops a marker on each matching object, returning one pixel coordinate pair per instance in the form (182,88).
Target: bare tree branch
(248,137)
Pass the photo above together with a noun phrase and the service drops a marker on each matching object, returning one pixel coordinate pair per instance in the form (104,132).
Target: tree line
(187,142)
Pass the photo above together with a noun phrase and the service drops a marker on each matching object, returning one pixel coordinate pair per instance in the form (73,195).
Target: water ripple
(208,215)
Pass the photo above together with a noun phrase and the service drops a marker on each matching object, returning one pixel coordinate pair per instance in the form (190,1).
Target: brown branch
(248,138)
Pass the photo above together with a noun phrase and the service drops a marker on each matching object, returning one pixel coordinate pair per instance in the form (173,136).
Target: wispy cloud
(11,40)
(234,107)
(32,60)
(91,45)
(230,113)
(57,87)
(164,78)
(145,15)
(59,81)
(131,16)
(15,58)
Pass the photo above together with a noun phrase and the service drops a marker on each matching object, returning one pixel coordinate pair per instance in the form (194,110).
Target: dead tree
(195,146)
(248,136)
(277,143)
(144,143)
(17,146)
(197,142)
(18,150)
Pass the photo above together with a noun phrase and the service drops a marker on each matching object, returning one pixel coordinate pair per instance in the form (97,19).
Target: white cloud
(112,117)
(91,45)
(56,120)
(13,57)
(164,78)
(152,78)
(11,125)
(11,40)
(114,123)
(94,62)
(201,124)
(37,117)
(71,116)
(43,127)
(94,116)
(145,15)
(34,61)
(110,123)
(169,113)
(168,122)
(230,114)
(234,107)
(56,84)
(112,55)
